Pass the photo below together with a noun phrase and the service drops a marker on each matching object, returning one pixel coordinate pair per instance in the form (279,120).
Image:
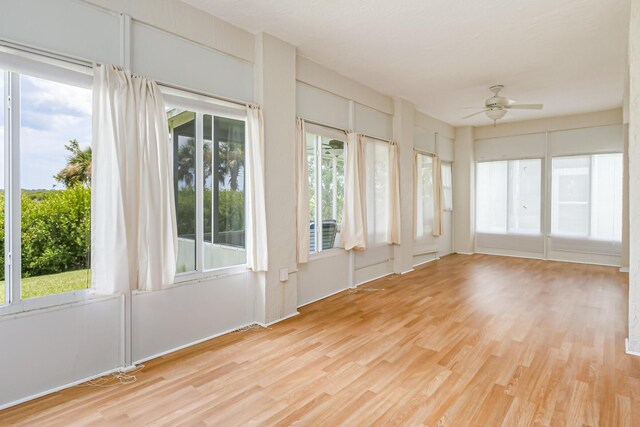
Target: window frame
(588,236)
(318,132)
(11,68)
(427,232)
(202,105)
(449,164)
(509,184)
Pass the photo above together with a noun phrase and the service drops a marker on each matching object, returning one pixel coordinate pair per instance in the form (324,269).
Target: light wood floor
(465,341)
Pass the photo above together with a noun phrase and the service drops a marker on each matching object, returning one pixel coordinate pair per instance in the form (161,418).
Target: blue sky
(51,114)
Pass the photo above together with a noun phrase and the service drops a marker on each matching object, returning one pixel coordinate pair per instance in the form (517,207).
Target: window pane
(525,195)
(424,196)
(491,197)
(311,162)
(182,128)
(227,155)
(570,195)
(606,206)
(3,287)
(332,152)
(55,167)
(447,187)
(377,177)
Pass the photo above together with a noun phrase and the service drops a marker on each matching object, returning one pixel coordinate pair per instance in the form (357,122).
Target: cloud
(51,114)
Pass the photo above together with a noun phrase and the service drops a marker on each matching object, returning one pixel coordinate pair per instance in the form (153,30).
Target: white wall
(49,348)
(634,178)
(464,195)
(165,320)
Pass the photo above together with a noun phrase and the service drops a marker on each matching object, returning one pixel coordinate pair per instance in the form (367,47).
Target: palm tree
(231,161)
(78,168)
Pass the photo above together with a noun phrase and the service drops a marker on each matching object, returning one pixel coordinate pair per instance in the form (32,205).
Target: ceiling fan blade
(525,107)
(475,114)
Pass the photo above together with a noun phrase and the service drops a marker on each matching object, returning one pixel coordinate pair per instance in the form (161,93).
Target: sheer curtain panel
(437,196)
(394,194)
(256,222)
(302,186)
(354,216)
(133,220)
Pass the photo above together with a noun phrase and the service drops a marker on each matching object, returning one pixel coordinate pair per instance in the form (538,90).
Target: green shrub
(56,231)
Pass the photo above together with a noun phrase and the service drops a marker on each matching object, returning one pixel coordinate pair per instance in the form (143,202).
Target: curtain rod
(390,141)
(417,150)
(30,51)
(324,126)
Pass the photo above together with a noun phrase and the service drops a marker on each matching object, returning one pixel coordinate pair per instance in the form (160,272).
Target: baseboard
(323,297)
(266,325)
(374,279)
(181,347)
(59,388)
(464,253)
(626,348)
(407,271)
(624,269)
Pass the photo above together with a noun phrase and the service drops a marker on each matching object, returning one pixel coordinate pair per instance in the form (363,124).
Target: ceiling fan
(496,107)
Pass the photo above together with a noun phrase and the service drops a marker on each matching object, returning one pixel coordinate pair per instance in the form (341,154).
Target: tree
(78,168)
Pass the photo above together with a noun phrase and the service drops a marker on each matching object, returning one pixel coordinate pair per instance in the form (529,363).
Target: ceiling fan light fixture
(496,113)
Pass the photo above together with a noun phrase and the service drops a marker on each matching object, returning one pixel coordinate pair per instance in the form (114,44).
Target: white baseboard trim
(407,271)
(323,297)
(59,388)
(425,262)
(624,269)
(464,253)
(373,279)
(266,325)
(626,348)
(181,347)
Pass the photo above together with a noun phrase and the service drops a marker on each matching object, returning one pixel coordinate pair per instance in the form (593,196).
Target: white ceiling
(444,54)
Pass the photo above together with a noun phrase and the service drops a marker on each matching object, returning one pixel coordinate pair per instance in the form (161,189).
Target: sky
(51,114)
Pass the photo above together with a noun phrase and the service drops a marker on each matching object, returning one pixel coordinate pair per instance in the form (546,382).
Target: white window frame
(508,201)
(448,164)
(588,235)
(12,67)
(429,231)
(317,133)
(202,105)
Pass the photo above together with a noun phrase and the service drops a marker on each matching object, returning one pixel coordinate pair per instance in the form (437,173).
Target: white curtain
(302,187)
(394,194)
(353,233)
(133,220)
(256,221)
(437,196)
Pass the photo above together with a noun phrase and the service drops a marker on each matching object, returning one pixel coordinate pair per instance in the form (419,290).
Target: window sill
(326,253)
(52,303)
(186,279)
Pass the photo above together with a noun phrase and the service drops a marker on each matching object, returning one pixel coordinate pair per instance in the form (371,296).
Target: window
(209,185)
(447,187)
(424,195)
(325,157)
(47,152)
(587,196)
(508,196)
(377,184)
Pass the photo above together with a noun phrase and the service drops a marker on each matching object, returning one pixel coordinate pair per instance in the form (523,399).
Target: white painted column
(633,344)
(403,135)
(464,191)
(275,86)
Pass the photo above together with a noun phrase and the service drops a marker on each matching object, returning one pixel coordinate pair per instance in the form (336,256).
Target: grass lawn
(51,284)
